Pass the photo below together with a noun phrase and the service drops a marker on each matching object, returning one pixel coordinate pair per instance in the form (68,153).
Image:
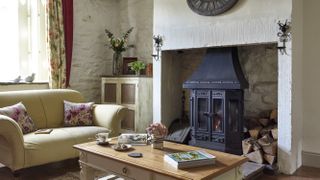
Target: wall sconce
(158,42)
(284,35)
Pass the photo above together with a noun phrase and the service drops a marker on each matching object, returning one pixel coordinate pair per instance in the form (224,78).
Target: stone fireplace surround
(245,24)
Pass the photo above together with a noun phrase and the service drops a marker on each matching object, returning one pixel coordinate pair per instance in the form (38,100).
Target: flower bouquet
(157,132)
(118,45)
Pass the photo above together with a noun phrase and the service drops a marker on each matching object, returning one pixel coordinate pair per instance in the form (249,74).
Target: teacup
(102,137)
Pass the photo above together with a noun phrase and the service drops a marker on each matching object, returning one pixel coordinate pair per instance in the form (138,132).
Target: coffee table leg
(87,172)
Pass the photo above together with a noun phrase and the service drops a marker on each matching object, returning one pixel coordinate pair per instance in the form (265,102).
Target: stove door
(201,116)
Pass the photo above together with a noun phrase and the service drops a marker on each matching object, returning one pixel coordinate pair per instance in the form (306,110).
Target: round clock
(210,7)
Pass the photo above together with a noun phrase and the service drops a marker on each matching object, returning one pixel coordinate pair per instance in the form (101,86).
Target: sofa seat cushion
(58,145)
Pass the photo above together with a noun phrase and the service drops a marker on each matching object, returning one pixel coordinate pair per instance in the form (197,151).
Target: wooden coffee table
(151,165)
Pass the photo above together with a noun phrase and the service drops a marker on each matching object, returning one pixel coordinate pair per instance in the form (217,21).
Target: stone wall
(260,67)
(91,57)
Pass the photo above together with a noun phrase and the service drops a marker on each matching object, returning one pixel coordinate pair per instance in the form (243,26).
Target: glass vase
(157,142)
(117,63)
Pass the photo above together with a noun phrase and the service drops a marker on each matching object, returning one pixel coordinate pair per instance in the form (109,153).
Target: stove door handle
(208,114)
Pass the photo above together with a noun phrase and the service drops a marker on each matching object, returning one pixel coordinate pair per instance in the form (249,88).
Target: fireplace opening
(259,64)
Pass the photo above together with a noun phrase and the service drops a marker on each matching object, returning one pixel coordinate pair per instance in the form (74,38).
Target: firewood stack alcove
(261,146)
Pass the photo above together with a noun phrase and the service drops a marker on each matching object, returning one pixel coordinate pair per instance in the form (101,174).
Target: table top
(153,160)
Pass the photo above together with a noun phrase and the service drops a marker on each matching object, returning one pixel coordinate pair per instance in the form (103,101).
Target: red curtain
(67,7)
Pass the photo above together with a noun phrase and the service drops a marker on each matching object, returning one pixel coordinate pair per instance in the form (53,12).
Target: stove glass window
(202,113)
(217,118)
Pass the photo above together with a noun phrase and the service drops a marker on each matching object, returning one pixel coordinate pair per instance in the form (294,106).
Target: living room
(171,38)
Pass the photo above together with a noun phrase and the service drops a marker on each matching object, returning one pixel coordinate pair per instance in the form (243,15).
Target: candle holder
(158,42)
(284,35)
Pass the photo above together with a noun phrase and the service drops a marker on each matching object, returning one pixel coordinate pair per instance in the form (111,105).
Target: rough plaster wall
(311,73)
(260,67)
(290,88)
(250,21)
(290,115)
(91,58)
(138,14)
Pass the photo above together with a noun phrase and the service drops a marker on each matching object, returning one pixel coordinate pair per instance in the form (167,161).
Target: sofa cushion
(30,100)
(58,145)
(52,101)
(19,113)
(78,114)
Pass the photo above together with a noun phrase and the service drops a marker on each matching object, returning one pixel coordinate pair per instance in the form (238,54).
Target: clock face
(210,7)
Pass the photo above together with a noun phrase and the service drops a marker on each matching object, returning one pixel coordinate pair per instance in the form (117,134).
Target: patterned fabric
(78,114)
(19,113)
(56,44)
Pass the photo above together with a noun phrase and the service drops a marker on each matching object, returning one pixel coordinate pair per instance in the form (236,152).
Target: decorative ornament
(210,7)
(284,35)
(30,78)
(158,42)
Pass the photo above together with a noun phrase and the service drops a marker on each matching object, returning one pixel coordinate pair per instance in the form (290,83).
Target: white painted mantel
(249,22)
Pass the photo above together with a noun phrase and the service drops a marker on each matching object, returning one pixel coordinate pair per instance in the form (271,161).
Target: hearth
(216,101)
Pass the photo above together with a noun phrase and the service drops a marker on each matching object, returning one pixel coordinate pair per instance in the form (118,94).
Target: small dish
(121,147)
(104,143)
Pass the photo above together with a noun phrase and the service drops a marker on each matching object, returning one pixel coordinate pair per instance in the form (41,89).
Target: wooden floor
(303,173)
(55,170)
(46,172)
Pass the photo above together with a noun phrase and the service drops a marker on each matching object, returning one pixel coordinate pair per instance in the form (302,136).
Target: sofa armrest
(11,143)
(109,116)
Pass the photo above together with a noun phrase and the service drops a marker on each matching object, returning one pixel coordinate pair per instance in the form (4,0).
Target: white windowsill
(22,83)
(11,86)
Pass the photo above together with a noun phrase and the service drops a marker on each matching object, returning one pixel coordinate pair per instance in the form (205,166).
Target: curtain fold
(56,44)
(59,41)
(67,7)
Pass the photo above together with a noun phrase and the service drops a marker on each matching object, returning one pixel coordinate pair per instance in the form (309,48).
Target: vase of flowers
(157,133)
(118,45)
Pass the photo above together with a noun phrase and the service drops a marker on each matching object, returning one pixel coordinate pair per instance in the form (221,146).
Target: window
(23,40)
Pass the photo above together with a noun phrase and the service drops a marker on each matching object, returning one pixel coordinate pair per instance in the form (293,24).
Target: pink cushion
(78,114)
(19,113)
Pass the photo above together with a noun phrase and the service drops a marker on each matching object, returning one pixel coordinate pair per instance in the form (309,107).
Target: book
(133,139)
(43,131)
(189,159)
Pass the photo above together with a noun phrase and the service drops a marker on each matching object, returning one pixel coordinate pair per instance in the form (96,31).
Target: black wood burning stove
(216,101)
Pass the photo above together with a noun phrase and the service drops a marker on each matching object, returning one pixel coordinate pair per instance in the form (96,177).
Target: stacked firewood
(261,146)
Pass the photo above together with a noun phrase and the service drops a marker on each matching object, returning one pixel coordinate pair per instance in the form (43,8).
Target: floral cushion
(19,113)
(78,114)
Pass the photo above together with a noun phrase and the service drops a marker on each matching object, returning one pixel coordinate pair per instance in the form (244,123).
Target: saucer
(121,147)
(104,143)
